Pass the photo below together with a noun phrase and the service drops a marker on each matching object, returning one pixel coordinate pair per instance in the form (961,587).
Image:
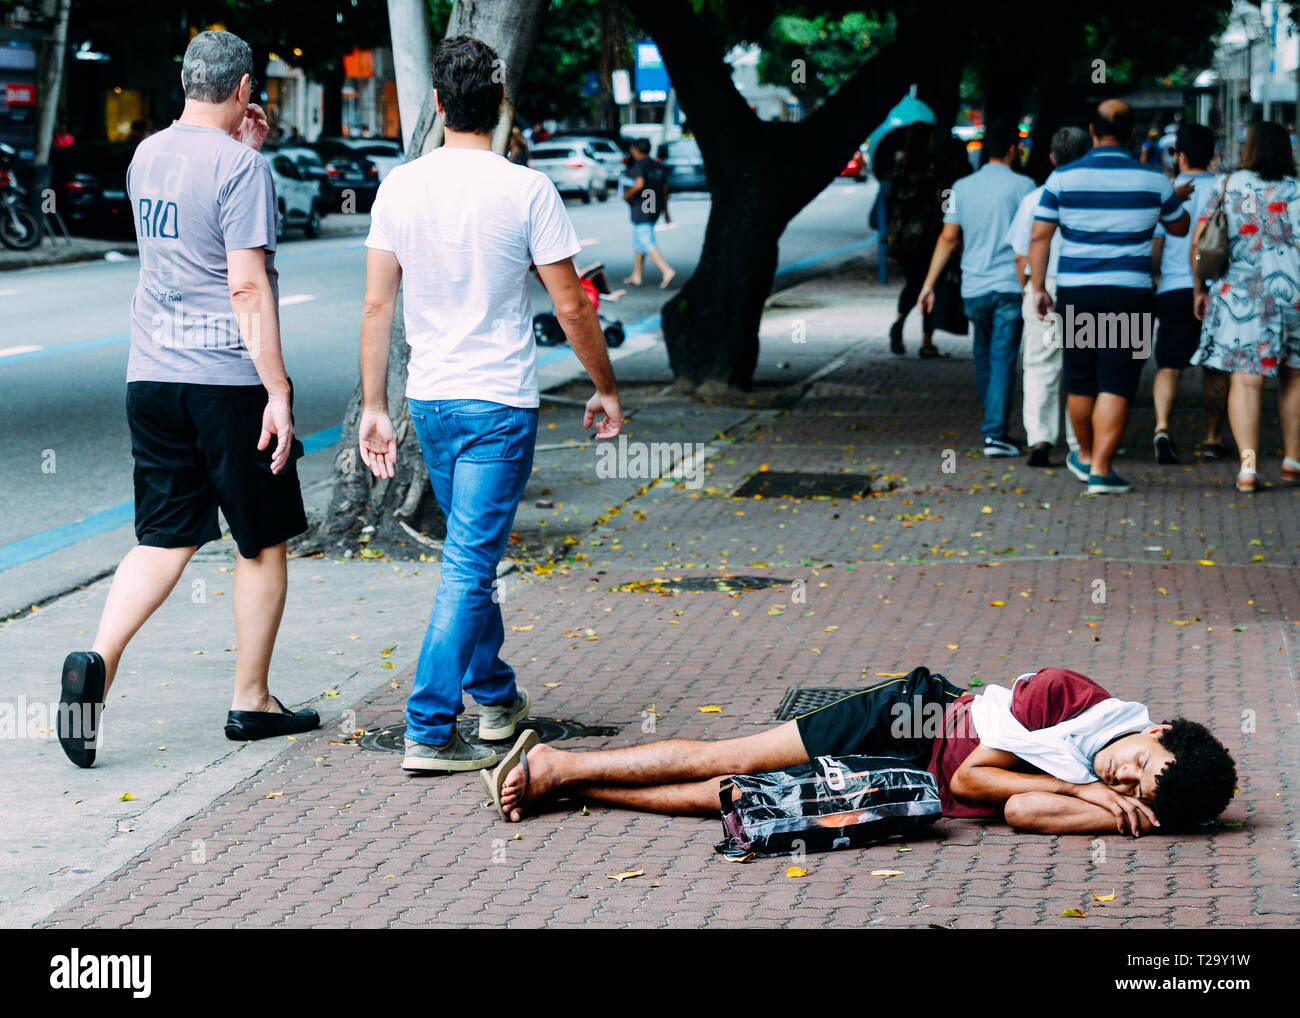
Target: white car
(610,153)
(572,167)
(297,195)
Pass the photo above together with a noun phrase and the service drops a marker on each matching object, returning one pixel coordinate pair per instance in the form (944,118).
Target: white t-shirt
(1021,231)
(465,224)
(1175,256)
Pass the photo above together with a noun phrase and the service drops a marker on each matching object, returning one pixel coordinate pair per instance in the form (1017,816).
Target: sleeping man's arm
(1042,804)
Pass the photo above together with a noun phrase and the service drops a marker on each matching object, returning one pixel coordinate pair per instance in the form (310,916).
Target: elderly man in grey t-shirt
(208,402)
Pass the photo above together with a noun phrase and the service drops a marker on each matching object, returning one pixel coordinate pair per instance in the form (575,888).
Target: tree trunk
(723,300)
(400,517)
(760,175)
(51,86)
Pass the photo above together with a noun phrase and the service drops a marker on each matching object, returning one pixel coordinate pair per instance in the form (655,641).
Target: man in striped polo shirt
(1106,205)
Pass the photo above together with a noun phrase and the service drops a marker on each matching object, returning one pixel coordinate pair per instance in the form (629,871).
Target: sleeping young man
(1053,754)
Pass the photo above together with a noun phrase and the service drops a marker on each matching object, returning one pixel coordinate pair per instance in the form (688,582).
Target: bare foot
(266,705)
(542,780)
(634,280)
(668,279)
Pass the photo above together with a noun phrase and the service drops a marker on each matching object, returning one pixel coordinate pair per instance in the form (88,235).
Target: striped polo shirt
(1106,206)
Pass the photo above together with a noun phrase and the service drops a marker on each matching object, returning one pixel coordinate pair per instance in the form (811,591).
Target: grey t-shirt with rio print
(195,194)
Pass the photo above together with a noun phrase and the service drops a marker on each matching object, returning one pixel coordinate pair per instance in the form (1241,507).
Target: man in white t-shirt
(1041,347)
(459,228)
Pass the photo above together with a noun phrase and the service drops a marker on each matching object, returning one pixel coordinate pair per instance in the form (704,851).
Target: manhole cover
(804,699)
(391,738)
(724,584)
(776,484)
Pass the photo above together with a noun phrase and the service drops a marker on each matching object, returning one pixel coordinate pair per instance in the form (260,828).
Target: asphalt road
(64,448)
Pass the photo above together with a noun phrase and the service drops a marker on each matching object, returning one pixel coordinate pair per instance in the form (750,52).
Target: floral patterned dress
(1252,323)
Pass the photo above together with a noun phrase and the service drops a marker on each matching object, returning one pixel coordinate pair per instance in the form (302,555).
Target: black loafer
(1040,455)
(81,705)
(246,725)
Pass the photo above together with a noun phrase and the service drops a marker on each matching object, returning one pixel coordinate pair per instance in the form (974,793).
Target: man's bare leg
(1108,419)
(690,799)
(669,762)
(1214,402)
(662,265)
(638,260)
(260,587)
(1080,410)
(142,582)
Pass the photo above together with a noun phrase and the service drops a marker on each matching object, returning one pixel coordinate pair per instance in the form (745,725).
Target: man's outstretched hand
(608,405)
(378,443)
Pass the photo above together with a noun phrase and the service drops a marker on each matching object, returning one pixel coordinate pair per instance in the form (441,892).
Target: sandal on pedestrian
(1248,482)
(495,781)
(1291,470)
(933,351)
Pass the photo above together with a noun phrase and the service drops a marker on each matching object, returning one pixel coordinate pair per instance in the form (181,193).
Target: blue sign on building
(651,76)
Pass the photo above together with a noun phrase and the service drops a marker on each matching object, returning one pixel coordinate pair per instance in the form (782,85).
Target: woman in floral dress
(1252,315)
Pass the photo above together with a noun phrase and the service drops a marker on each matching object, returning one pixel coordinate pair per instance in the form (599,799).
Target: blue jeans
(479,456)
(996,326)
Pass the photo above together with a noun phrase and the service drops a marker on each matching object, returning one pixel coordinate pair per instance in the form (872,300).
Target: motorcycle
(19,227)
(546,327)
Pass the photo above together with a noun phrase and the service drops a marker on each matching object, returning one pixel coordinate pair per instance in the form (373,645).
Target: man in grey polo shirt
(978,213)
(208,401)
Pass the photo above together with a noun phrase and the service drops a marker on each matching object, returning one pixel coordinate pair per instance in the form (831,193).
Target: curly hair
(1198,783)
(469,78)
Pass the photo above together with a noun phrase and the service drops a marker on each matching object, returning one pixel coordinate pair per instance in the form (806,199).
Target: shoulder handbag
(1212,248)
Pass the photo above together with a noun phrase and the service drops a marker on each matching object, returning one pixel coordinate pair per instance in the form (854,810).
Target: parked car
(857,166)
(297,195)
(385,153)
(610,154)
(348,172)
(89,182)
(573,168)
(312,167)
(685,165)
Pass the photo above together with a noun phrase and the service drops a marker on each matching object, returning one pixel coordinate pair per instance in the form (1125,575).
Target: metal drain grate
(804,699)
(392,738)
(778,484)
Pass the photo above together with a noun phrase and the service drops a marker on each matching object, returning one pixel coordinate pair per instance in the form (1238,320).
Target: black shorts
(1112,363)
(1179,333)
(892,718)
(195,449)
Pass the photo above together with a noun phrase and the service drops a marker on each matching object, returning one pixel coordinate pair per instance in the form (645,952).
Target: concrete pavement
(979,569)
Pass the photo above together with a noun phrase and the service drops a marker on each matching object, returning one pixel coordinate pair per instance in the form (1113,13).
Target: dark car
(90,187)
(311,167)
(347,170)
(685,165)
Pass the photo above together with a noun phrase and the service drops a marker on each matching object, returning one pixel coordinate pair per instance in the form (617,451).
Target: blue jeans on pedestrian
(996,326)
(479,455)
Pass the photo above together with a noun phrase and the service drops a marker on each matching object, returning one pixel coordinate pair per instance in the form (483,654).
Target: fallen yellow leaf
(952,646)
(891,675)
(1074,913)
(627,874)
(522,629)
(997,604)
(125,797)
(710,708)
(886,873)
(1205,561)
(551,685)
(1103,897)
(796,871)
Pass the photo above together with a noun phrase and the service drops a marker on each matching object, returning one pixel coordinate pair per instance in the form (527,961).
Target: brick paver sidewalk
(981,573)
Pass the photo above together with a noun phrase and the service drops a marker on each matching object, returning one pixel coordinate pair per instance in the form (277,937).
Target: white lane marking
(296,298)
(8,293)
(584,241)
(9,351)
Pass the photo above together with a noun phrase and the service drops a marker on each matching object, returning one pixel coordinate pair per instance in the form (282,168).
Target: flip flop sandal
(927,353)
(494,782)
(81,705)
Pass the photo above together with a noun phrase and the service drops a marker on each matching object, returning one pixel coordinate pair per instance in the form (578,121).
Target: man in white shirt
(460,227)
(1042,345)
